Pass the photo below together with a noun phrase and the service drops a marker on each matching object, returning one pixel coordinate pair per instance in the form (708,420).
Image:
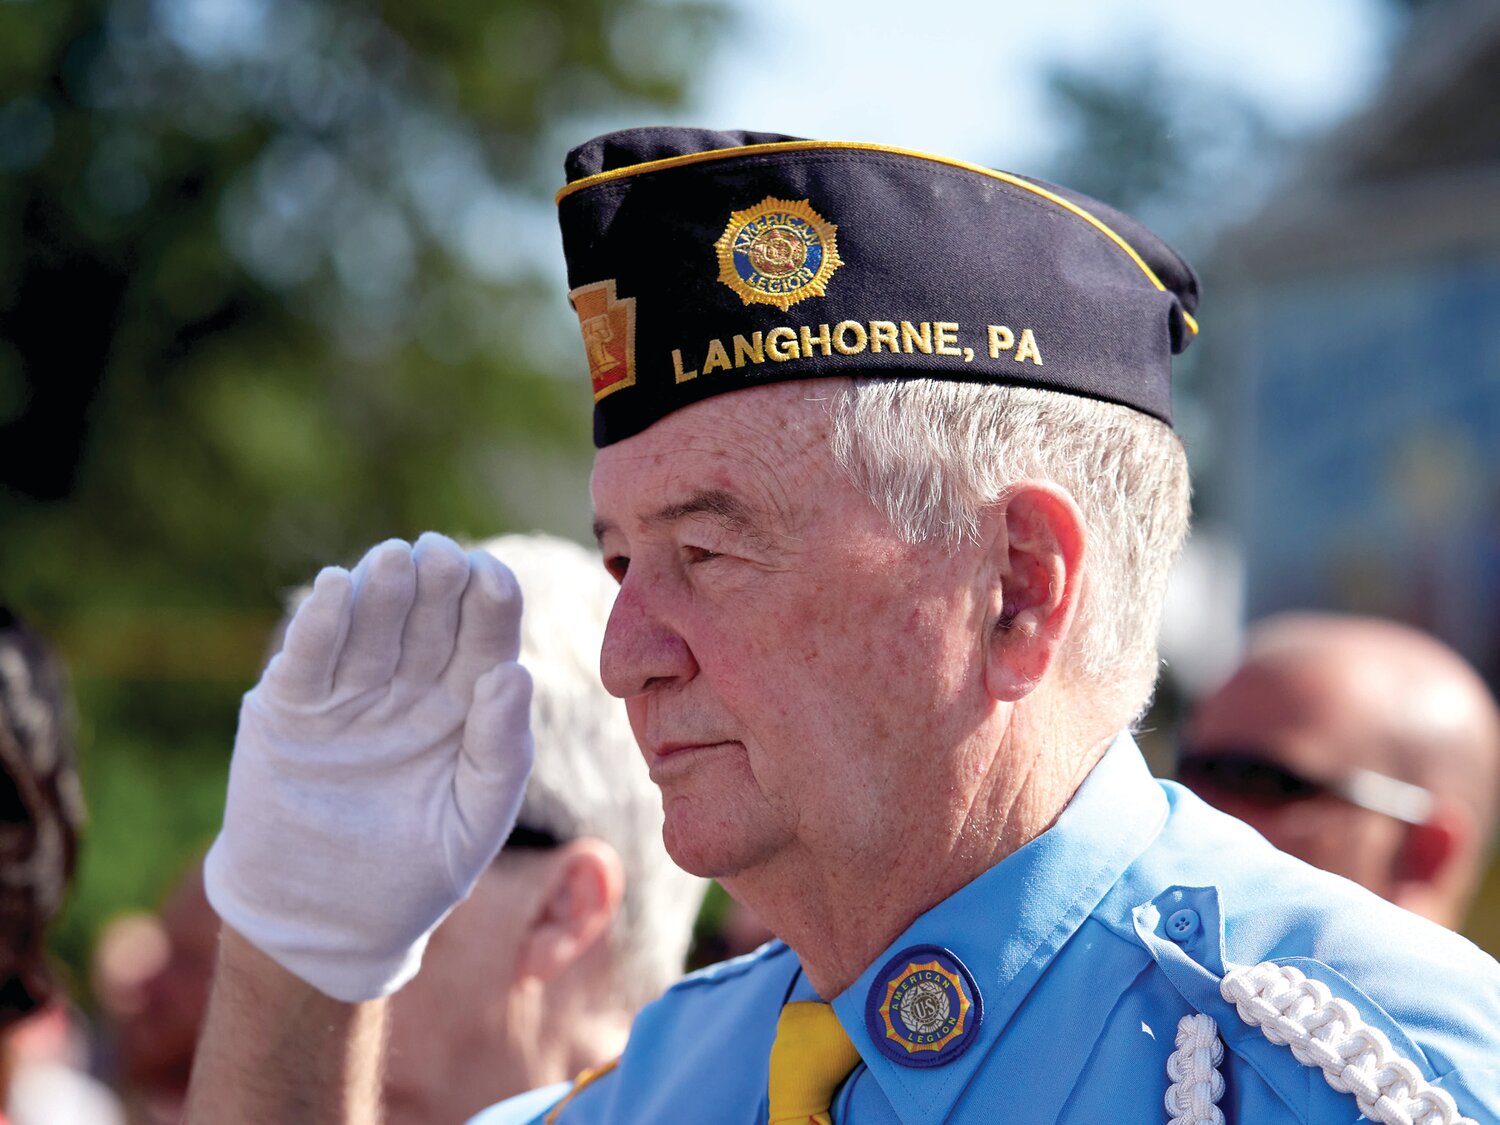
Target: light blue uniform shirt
(1082,987)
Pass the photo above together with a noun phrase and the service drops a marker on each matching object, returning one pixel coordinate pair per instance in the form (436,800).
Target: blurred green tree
(275,283)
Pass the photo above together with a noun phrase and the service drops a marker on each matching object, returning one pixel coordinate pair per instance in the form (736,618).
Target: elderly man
(886,480)
(1364,747)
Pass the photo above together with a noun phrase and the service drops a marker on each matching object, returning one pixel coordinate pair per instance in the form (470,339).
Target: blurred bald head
(1325,740)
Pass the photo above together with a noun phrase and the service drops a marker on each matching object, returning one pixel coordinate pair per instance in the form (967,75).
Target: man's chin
(713,847)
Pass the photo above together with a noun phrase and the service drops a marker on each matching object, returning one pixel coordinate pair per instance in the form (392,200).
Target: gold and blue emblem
(778,252)
(923,1008)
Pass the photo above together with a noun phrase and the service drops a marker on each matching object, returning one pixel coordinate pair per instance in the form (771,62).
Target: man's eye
(700,554)
(617,565)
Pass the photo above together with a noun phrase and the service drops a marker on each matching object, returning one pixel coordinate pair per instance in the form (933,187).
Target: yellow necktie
(811,1056)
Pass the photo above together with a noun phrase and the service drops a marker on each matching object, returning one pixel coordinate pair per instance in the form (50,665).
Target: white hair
(930,454)
(589,779)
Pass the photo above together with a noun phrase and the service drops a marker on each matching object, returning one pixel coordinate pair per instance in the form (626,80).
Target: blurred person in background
(41,812)
(583,917)
(151,975)
(580,920)
(1361,746)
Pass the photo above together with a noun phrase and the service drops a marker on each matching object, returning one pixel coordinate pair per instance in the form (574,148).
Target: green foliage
(154,805)
(275,283)
(708,945)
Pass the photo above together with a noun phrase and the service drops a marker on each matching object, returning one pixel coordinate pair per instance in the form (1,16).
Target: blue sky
(966,77)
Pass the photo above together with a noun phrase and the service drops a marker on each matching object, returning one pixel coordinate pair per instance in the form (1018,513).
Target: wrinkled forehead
(771,426)
(767,445)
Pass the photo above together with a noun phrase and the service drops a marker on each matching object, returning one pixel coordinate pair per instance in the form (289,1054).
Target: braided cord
(1197,1085)
(1326,1032)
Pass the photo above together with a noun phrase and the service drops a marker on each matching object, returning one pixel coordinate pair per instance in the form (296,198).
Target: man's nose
(641,652)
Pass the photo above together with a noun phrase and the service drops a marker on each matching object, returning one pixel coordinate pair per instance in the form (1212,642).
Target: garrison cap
(701,262)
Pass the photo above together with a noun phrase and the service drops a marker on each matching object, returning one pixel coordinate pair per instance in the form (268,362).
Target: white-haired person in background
(583,917)
(580,920)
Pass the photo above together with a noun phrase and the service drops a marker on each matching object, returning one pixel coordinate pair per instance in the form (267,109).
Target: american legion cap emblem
(923,1008)
(778,252)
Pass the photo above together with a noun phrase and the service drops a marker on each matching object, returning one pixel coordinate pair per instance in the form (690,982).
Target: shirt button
(1183,924)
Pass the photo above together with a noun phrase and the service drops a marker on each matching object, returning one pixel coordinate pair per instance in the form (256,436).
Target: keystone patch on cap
(702,262)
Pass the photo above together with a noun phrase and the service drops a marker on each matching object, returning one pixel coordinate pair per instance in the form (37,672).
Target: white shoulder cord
(1193,1068)
(1326,1032)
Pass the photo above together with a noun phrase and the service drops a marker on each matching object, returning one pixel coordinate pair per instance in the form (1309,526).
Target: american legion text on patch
(923,1008)
(702,262)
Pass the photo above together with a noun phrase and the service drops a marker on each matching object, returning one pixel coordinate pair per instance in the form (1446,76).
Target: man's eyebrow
(723,506)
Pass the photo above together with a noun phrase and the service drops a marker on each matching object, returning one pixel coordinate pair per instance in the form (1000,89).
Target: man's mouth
(670,758)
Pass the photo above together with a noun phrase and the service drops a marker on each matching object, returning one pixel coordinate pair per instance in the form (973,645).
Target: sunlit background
(279,278)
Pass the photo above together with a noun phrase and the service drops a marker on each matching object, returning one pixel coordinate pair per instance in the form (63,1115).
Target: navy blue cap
(701,262)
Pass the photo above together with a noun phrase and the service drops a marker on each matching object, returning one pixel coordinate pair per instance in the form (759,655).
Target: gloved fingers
(302,672)
(489,621)
(495,758)
(385,582)
(432,625)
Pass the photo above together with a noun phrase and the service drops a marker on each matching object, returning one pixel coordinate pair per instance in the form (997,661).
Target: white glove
(378,768)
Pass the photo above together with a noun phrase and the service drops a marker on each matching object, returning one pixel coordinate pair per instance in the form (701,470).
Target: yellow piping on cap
(857,146)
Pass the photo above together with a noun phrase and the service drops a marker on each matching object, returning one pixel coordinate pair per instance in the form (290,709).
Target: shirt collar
(1008,924)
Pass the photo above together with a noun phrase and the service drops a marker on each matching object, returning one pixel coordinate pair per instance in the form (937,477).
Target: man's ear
(1037,558)
(1421,876)
(583,883)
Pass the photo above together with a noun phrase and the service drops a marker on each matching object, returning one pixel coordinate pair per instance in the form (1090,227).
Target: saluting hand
(378,767)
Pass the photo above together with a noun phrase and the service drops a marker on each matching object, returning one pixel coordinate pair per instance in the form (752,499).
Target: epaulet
(1327,1033)
(586,1078)
(1301,1009)
(1322,1031)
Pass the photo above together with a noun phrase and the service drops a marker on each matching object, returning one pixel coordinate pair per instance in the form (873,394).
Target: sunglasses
(1250,775)
(534,839)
